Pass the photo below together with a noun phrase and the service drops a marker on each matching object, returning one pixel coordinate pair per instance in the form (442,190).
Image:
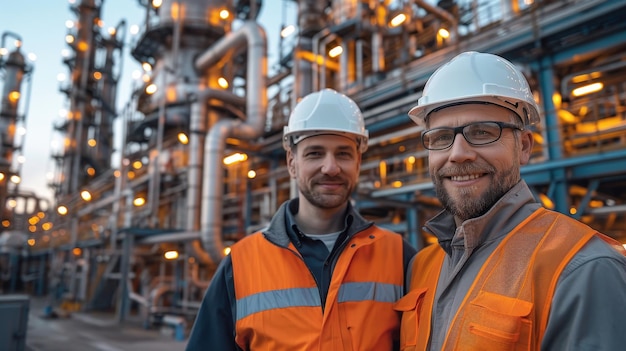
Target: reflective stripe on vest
(363,291)
(299,297)
(296,297)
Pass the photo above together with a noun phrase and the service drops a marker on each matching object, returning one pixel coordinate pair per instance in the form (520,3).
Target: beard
(326,200)
(466,204)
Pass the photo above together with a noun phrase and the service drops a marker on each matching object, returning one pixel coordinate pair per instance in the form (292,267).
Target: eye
(439,137)
(345,154)
(482,131)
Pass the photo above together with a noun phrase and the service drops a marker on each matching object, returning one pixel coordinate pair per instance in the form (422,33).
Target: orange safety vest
(278,301)
(507,306)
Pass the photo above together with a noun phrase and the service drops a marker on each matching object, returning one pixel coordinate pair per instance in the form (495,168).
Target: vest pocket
(496,322)
(410,306)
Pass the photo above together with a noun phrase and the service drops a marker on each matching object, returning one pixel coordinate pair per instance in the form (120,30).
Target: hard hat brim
(528,114)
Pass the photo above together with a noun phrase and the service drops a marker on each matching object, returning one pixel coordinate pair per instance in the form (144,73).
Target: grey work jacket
(588,310)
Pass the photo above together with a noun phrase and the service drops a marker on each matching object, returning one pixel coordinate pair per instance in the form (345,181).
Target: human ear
(291,163)
(527,141)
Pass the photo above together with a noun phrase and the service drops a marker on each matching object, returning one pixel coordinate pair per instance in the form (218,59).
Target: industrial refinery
(200,158)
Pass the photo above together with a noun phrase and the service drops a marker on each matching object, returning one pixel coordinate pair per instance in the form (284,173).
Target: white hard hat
(477,77)
(325,112)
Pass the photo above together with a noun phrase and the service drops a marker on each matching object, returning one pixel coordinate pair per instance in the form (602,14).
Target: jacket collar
(512,208)
(283,228)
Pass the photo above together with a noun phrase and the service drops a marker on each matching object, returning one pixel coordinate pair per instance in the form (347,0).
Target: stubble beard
(466,204)
(325,200)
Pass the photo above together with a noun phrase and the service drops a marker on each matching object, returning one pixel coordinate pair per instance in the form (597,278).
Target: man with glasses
(507,274)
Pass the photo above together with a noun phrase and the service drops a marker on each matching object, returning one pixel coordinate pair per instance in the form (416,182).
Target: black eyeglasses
(476,133)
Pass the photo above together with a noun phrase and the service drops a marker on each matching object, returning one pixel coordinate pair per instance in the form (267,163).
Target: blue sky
(41,26)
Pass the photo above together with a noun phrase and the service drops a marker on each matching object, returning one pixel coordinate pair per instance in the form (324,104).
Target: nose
(330,165)
(461,150)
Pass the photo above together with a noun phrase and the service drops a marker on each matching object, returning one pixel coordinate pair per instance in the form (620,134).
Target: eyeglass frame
(459,130)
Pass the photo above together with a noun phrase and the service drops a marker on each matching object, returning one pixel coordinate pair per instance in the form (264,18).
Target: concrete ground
(89,331)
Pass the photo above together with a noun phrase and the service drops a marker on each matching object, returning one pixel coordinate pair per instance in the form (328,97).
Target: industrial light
(222,82)
(585,77)
(182,137)
(444,33)
(171,255)
(137,164)
(596,203)
(92,142)
(336,51)
(14,96)
(397,20)
(226,251)
(587,89)
(234,158)
(83,46)
(151,89)
(62,210)
(251,174)
(287,31)
(85,195)
(139,201)
(224,14)
(546,201)
(16,179)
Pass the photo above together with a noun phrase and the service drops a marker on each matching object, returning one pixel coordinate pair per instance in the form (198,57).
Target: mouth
(465,177)
(330,185)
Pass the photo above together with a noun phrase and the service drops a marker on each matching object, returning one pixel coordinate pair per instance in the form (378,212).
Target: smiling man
(320,276)
(506,273)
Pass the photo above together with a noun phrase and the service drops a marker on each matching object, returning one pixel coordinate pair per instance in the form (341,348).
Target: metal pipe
(256,106)
(197,131)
